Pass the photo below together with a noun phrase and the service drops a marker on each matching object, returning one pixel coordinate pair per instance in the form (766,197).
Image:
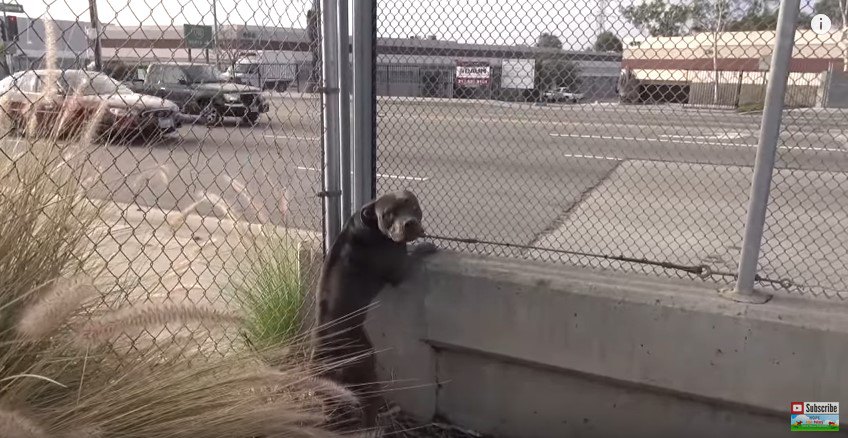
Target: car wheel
(211,116)
(251,119)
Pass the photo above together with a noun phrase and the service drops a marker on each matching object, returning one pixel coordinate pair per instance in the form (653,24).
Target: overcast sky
(470,21)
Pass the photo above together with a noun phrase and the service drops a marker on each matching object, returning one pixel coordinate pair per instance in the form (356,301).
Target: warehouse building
(28,49)
(405,67)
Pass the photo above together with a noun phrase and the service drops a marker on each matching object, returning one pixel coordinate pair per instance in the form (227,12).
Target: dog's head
(397,215)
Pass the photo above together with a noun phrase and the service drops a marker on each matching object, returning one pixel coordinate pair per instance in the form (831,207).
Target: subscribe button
(814,416)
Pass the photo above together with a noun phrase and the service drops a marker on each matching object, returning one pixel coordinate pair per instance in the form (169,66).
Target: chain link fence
(197,130)
(616,135)
(613,135)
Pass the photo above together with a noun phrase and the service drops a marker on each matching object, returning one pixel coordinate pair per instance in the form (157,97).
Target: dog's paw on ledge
(423,248)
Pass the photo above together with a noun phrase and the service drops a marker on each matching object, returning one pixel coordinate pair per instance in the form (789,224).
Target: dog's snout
(410,225)
(412,228)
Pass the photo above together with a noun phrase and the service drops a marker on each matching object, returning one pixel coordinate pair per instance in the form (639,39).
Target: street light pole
(7,57)
(95,27)
(215,31)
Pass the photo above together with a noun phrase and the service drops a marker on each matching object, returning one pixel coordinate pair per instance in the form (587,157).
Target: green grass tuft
(750,107)
(274,297)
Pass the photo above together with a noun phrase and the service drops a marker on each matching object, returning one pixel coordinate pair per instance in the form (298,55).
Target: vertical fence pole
(766,151)
(363,102)
(330,89)
(344,108)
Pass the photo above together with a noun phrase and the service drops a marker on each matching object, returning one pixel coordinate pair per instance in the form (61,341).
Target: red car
(78,95)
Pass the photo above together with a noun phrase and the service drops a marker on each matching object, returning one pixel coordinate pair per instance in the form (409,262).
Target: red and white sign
(797,407)
(473,75)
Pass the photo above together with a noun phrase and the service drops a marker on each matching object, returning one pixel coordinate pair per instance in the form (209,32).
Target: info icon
(797,407)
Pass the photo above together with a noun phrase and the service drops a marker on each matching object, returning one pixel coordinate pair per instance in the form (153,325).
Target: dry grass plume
(60,373)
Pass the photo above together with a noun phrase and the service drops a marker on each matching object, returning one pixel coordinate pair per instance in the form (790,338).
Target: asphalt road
(485,170)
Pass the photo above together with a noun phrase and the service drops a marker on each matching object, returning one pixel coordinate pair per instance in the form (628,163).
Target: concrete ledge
(524,349)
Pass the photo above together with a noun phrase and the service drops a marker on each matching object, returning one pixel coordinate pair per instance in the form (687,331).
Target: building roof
(278,38)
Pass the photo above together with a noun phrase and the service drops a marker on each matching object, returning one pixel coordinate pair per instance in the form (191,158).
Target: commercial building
(405,67)
(29,48)
(731,70)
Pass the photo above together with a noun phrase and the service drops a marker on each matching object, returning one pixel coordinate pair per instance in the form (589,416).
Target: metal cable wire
(702,271)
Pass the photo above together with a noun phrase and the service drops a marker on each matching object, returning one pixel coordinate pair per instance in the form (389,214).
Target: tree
(549,41)
(837,11)
(713,16)
(555,73)
(313,32)
(662,18)
(760,15)
(608,42)
(230,45)
(833,9)
(551,70)
(659,18)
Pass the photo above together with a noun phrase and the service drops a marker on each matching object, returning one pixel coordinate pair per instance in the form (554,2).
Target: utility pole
(7,56)
(214,33)
(95,27)
(314,34)
(601,17)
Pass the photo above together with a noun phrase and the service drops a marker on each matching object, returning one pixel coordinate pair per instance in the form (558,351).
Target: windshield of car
(7,83)
(202,73)
(93,83)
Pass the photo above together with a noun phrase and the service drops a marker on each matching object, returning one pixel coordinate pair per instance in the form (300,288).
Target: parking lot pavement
(509,174)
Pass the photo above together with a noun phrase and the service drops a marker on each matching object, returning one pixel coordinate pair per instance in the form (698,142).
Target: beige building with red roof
(740,60)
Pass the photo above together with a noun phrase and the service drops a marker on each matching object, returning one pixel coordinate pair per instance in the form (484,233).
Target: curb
(196,225)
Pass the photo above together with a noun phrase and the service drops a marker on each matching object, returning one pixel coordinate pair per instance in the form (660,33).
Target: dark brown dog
(370,252)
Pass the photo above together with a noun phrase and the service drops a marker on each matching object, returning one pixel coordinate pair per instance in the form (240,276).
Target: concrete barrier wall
(520,349)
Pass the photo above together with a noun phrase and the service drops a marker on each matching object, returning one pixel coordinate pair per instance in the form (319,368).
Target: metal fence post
(330,90)
(766,151)
(344,108)
(363,102)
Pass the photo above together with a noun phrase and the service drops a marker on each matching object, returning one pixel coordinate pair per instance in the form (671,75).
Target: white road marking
(703,143)
(379,175)
(286,137)
(655,140)
(719,136)
(524,121)
(593,157)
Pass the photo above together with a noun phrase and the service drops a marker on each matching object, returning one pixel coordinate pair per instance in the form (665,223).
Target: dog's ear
(368,214)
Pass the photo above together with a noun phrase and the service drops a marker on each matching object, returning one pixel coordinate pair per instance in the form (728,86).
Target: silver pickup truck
(561,94)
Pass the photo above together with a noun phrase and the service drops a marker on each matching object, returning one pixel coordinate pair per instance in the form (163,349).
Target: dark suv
(200,89)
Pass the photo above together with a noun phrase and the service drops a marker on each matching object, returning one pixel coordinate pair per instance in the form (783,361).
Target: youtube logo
(797,408)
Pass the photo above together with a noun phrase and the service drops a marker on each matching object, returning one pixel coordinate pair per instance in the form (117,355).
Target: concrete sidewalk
(185,257)
(695,214)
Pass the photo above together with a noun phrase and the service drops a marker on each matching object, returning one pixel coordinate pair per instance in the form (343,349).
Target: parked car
(79,94)
(561,94)
(201,89)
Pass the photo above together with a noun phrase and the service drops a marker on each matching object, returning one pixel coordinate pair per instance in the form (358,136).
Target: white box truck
(265,69)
